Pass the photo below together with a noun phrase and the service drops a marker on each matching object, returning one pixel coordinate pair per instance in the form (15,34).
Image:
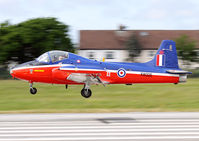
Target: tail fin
(166,56)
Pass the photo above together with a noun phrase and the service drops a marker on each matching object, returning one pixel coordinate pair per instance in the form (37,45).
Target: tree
(133,46)
(186,49)
(27,40)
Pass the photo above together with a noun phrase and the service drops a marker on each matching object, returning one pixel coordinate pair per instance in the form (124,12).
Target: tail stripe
(160,60)
(157,60)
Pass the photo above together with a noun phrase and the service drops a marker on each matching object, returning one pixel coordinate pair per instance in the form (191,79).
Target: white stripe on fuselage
(42,66)
(128,72)
(100,70)
(152,73)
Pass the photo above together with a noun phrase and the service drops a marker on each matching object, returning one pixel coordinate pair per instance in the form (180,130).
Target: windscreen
(44,58)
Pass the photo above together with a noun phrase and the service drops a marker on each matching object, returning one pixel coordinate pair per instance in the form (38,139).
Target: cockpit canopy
(52,56)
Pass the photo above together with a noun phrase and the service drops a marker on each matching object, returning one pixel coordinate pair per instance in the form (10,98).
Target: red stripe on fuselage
(56,76)
(138,78)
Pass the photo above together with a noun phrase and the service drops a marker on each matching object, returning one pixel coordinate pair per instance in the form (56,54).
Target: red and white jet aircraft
(60,67)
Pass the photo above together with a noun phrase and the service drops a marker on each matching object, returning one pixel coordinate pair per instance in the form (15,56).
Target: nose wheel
(33,90)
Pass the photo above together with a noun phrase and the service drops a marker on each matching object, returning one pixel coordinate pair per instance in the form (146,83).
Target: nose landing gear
(33,90)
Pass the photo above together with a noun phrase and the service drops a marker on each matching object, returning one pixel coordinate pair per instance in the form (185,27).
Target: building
(110,44)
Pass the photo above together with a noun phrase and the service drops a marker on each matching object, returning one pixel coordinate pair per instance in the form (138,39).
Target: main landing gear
(86,92)
(33,90)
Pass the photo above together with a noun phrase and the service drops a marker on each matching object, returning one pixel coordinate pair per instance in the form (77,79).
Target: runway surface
(146,126)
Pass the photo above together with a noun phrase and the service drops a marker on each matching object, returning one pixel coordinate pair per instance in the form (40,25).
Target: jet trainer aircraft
(60,67)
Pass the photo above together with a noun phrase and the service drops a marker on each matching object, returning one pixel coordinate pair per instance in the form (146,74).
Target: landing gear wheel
(66,86)
(33,91)
(86,93)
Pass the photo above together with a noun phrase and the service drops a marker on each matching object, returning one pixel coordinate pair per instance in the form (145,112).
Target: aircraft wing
(84,74)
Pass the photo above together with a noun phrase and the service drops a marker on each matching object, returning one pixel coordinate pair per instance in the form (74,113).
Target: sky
(106,14)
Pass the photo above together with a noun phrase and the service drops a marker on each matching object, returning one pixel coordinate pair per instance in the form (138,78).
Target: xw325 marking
(148,74)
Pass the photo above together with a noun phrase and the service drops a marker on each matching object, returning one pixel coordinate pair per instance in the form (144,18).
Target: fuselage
(72,67)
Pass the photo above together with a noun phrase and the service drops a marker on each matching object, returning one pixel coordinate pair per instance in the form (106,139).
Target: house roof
(115,39)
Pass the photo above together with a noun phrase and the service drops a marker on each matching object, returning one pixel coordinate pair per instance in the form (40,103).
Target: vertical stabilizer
(166,56)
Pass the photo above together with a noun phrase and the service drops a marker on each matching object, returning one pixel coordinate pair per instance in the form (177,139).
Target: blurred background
(119,31)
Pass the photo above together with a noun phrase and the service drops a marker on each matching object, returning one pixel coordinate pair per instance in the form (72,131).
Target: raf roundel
(121,72)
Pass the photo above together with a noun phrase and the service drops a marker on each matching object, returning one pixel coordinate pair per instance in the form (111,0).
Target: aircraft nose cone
(12,71)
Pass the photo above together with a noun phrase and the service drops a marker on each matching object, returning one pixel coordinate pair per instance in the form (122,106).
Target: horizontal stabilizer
(179,72)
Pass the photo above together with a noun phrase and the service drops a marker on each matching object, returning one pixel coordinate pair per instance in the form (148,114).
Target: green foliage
(195,73)
(133,46)
(27,40)
(4,74)
(186,48)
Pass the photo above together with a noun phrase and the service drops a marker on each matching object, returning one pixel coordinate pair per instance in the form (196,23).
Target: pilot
(54,59)
(61,58)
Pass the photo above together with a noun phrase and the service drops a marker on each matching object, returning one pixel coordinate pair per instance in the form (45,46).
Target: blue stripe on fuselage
(94,64)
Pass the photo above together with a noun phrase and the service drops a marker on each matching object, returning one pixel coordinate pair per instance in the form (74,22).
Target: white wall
(146,55)
(118,55)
